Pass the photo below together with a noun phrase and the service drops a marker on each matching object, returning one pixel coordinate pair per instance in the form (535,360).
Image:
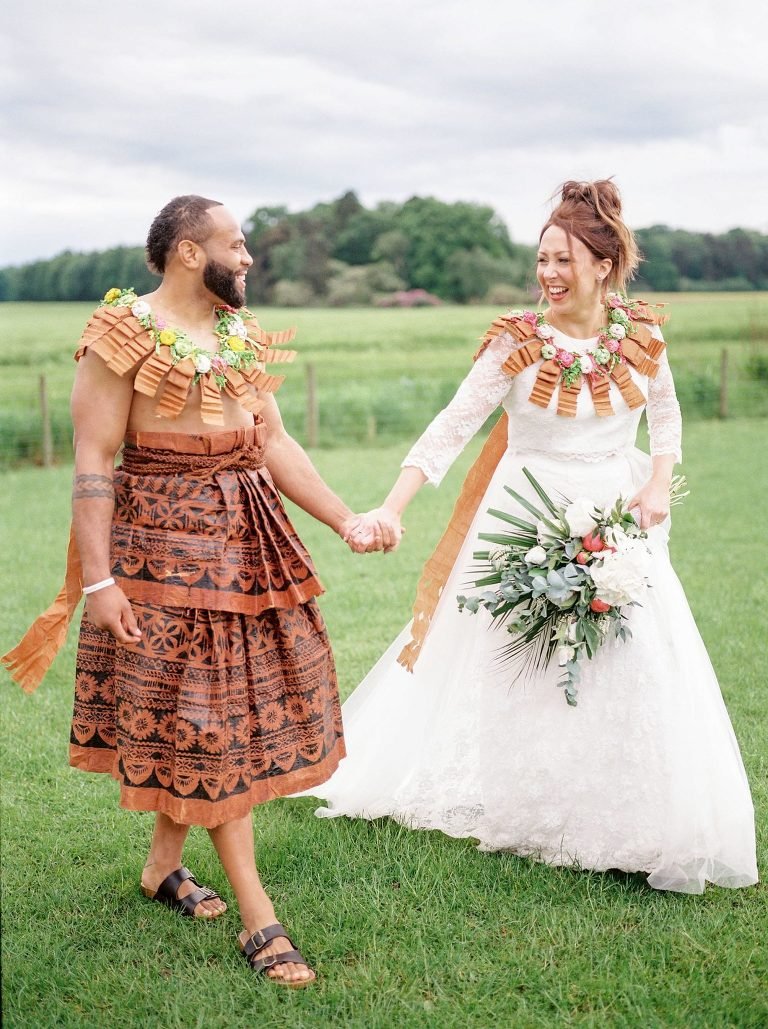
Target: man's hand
(110,609)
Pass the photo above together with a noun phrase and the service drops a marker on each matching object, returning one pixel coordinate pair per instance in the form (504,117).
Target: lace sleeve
(663,411)
(477,397)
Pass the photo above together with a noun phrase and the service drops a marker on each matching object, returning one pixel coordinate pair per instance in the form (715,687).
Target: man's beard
(223,284)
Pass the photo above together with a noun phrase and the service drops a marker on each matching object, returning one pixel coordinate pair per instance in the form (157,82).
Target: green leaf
(543,495)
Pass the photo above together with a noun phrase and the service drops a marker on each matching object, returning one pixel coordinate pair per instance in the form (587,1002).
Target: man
(205,682)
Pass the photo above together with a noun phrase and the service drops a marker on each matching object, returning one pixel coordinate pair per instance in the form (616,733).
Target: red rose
(592,542)
(599,605)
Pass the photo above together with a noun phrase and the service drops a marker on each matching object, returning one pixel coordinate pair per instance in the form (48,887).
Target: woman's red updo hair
(591,211)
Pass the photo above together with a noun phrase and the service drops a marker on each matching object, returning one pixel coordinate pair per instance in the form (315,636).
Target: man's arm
(296,477)
(100,405)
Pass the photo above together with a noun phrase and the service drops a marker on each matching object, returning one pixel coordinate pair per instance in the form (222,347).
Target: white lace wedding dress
(645,773)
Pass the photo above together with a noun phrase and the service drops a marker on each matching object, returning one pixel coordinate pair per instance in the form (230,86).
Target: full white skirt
(643,775)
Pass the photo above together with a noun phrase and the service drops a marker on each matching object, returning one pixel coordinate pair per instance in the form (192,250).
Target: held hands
(650,505)
(379,529)
(110,609)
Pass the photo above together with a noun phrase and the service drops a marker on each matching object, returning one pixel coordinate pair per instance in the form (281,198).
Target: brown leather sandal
(256,943)
(166,893)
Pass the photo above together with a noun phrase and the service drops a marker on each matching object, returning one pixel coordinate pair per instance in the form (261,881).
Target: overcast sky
(111,109)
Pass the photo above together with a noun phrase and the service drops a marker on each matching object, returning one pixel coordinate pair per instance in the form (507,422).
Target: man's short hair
(183,217)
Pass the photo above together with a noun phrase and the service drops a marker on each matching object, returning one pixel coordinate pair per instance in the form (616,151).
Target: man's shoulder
(117,331)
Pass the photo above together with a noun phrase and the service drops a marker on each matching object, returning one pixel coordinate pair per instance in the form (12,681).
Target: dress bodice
(585,437)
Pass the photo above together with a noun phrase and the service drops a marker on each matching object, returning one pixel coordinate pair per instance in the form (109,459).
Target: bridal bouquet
(563,580)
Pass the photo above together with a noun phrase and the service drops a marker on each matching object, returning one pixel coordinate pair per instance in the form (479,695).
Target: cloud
(114,110)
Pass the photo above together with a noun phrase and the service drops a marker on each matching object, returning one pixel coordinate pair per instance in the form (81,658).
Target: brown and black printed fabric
(230,697)
(211,712)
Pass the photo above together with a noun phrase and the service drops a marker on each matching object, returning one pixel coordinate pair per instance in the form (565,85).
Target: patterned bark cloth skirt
(230,697)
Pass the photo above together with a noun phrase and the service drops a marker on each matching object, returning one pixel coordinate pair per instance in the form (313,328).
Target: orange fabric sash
(32,657)
(438,567)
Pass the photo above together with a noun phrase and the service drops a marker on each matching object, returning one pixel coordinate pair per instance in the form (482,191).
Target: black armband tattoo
(87,486)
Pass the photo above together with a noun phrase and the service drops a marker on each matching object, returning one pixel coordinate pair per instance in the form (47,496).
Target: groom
(205,681)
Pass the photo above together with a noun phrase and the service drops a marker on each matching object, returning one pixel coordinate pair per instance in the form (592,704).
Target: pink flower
(612,345)
(565,358)
(616,301)
(160,323)
(218,365)
(531,317)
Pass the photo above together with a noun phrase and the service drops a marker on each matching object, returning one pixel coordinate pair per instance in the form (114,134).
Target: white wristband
(98,586)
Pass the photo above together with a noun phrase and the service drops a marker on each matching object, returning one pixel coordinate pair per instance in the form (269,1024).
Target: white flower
(615,535)
(617,331)
(202,363)
(236,327)
(545,331)
(586,364)
(548,351)
(140,309)
(622,577)
(536,556)
(572,632)
(565,654)
(580,516)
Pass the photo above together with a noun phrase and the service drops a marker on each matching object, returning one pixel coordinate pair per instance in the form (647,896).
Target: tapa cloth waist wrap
(199,523)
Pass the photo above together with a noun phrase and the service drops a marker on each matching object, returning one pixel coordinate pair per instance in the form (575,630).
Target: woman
(645,774)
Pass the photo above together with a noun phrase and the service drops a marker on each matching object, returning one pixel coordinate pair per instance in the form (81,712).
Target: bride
(645,773)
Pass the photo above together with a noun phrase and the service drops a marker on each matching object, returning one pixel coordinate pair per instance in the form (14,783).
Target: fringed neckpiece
(625,340)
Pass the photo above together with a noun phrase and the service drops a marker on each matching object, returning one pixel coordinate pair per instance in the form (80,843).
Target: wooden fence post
(313,409)
(723,405)
(45,415)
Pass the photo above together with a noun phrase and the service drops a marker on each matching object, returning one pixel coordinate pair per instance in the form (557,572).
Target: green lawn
(406,928)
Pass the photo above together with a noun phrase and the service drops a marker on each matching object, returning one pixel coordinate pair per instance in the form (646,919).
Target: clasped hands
(379,529)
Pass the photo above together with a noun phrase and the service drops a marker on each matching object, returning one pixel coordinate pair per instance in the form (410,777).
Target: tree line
(343,253)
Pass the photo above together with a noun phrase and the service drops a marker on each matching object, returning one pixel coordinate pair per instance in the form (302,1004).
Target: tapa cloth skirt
(230,697)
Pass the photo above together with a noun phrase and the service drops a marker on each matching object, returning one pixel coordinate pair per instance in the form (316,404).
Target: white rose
(140,309)
(622,576)
(237,327)
(580,516)
(586,364)
(617,331)
(544,331)
(202,363)
(548,351)
(565,654)
(536,556)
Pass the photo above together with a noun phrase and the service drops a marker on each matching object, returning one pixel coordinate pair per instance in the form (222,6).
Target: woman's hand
(650,505)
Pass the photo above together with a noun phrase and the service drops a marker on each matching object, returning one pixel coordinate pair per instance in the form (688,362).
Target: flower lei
(236,349)
(600,358)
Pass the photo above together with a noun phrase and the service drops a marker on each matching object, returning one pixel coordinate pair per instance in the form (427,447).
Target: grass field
(407,929)
(381,373)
